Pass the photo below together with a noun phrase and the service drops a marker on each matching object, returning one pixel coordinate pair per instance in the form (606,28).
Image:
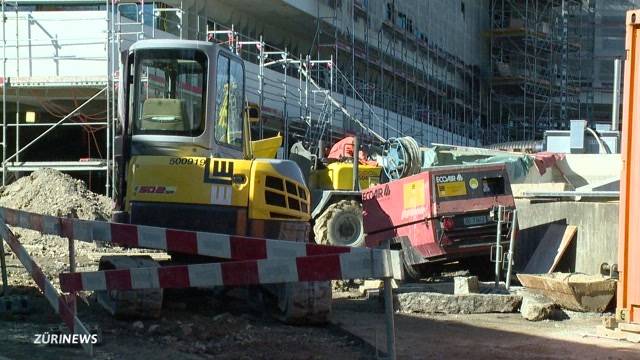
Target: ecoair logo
(448,178)
(377,193)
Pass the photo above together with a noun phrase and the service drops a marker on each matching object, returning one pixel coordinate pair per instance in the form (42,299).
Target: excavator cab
(185,98)
(186,144)
(185,158)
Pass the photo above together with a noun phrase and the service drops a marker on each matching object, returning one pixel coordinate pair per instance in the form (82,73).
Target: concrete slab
(430,303)
(439,297)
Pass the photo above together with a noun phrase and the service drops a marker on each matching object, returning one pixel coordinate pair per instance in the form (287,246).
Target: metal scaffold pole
(110,59)
(285,113)
(261,88)
(4,93)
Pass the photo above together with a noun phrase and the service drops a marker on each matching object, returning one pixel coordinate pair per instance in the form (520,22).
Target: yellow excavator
(336,200)
(186,161)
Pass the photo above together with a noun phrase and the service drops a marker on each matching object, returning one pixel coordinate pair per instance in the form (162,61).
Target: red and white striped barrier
(253,272)
(55,299)
(255,260)
(179,241)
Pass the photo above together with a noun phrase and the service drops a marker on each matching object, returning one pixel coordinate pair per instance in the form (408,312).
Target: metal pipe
(4,92)
(615,103)
(498,246)
(285,113)
(356,162)
(17,90)
(108,103)
(115,65)
(3,268)
(388,314)
(512,240)
(72,255)
(261,89)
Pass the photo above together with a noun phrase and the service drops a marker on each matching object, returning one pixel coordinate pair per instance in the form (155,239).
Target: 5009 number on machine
(187,161)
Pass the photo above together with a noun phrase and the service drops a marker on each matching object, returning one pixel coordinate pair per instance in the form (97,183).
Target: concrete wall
(596,241)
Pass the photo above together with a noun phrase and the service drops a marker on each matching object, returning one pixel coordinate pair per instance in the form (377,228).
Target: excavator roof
(171,44)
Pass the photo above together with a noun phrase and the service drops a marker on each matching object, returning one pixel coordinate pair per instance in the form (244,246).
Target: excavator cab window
(170,92)
(229,101)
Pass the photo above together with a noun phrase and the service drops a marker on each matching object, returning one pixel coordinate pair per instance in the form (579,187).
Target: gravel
(51,192)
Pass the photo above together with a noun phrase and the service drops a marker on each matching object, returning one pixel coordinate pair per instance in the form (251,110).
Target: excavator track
(303,303)
(130,303)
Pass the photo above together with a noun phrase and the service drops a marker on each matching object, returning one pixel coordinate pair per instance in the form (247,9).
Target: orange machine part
(628,306)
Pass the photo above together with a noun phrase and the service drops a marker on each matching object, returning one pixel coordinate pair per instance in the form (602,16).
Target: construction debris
(432,298)
(465,285)
(14,304)
(428,302)
(50,192)
(536,307)
(552,247)
(578,292)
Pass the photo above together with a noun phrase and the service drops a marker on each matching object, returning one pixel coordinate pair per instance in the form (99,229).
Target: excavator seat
(164,114)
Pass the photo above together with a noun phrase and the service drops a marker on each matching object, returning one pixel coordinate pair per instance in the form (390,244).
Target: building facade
(457,72)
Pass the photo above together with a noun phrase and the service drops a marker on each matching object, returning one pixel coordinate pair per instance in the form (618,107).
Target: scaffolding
(403,71)
(387,83)
(537,47)
(24,88)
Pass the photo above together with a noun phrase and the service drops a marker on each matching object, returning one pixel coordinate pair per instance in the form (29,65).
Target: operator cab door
(187,101)
(227,120)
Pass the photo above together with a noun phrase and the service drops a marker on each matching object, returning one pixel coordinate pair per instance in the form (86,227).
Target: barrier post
(388,310)
(3,267)
(59,302)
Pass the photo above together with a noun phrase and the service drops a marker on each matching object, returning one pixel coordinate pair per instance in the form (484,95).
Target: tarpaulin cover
(518,165)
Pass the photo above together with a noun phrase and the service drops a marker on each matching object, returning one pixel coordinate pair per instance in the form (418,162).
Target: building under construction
(462,72)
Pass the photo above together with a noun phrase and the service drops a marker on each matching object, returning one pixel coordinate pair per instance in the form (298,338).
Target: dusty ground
(482,336)
(195,325)
(203,325)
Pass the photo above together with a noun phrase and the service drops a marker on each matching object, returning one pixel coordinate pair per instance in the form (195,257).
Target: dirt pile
(51,192)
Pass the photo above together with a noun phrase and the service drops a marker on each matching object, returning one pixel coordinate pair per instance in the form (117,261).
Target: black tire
(417,272)
(414,273)
(340,224)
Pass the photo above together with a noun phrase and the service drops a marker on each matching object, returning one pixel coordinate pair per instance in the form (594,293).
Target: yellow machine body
(339,176)
(258,184)
(266,148)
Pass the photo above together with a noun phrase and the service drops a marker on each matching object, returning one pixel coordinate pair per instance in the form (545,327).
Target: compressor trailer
(439,215)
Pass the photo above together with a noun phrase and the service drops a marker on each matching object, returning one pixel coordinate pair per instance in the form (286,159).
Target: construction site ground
(203,324)
(236,323)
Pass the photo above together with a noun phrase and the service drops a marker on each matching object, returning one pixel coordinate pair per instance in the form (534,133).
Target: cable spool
(401,158)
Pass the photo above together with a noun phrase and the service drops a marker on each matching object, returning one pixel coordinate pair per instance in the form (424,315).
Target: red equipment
(440,214)
(343,149)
